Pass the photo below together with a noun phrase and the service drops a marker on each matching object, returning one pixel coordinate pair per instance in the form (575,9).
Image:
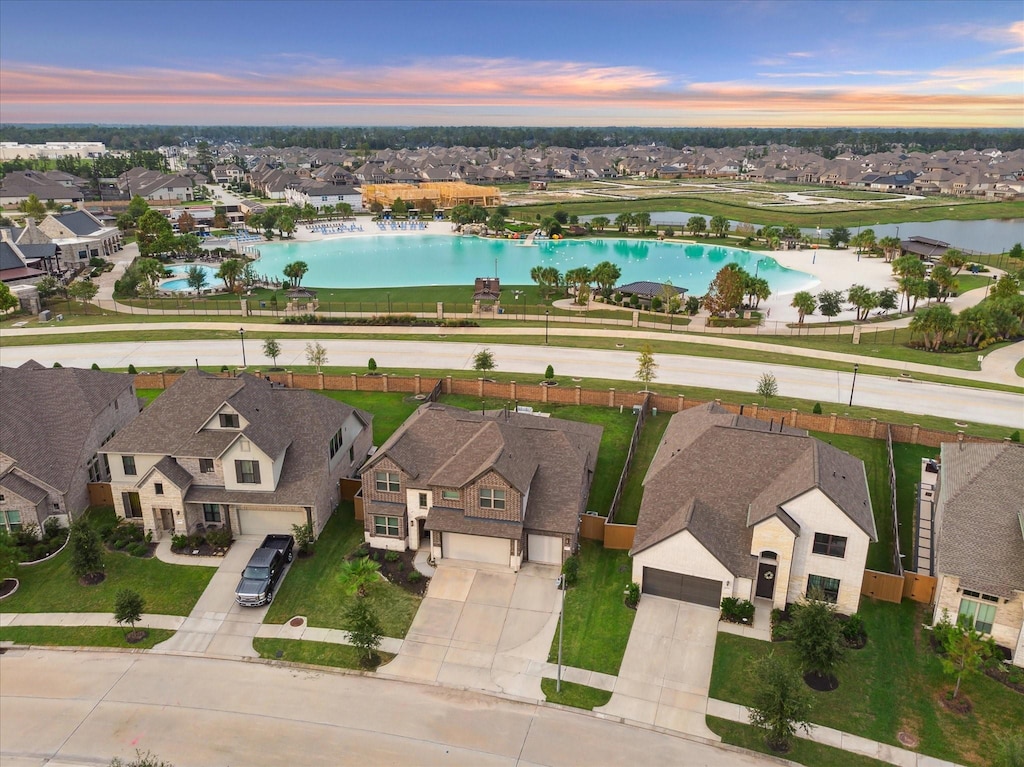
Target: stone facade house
(236,452)
(502,488)
(53,424)
(979,540)
(734,507)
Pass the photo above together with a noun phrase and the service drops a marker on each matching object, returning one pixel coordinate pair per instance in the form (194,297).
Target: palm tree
(805,303)
(580,278)
(623,221)
(975,323)
(864,300)
(357,574)
(954,259)
(605,275)
(295,271)
(943,277)
(537,275)
(933,324)
(552,278)
(230,271)
(642,221)
(890,247)
(697,225)
(719,226)
(600,222)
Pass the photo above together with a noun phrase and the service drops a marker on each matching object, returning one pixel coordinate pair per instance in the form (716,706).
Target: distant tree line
(828,141)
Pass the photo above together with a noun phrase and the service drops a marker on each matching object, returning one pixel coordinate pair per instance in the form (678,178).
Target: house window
(387,481)
(128,463)
(336,442)
(829,545)
(981,614)
(206,465)
(247,472)
(450,495)
(827,586)
(95,470)
(423,500)
(491,498)
(211,512)
(11,520)
(158,488)
(132,505)
(351,453)
(385,526)
(229,420)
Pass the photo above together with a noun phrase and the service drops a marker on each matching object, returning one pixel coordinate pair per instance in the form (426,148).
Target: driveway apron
(217,624)
(666,670)
(482,627)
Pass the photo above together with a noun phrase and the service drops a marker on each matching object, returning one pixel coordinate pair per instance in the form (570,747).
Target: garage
(475,548)
(545,549)
(685,588)
(266,522)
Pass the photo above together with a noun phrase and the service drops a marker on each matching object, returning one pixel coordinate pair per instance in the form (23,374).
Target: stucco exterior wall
(682,553)
(773,535)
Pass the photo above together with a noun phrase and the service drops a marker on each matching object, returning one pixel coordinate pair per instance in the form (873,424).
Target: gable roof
(46,415)
(979,528)
(81,222)
(717,475)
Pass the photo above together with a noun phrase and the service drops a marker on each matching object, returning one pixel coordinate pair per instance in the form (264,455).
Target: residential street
(829,387)
(75,708)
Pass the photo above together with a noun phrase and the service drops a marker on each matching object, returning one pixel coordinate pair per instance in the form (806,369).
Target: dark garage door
(686,588)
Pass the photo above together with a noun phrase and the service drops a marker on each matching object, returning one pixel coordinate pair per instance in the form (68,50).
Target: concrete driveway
(217,624)
(666,671)
(483,627)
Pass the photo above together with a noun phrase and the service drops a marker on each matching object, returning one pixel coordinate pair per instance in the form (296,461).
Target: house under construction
(443,194)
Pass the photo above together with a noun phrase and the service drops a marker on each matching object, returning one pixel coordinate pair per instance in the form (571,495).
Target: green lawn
(597,621)
(876,466)
(632,493)
(618,431)
(313,588)
(80,636)
(891,685)
(313,653)
(575,695)
(389,410)
(802,751)
(1019,368)
(907,460)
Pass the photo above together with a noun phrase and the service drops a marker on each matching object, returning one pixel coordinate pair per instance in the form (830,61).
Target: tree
(83,290)
(186,222)
(933,323)
(890,248)
(580,278)
(757,290)
(864,240)
(830,303)
(125,222)
(817,635)
(781,704)
(1006,287)
(623,221)
(295,271)
(914,288)
(364,630)
(642,220)
(483,361)
(909,266)
(670,297)
(767,386)
(975,323)
(128,607)
(549,373)
(945,280)
(356,574)
(719,226)
(726,291)
(805,303)
(86,553)
(964,647)
(136,207)
(605,275)
(316,355)
(888,300)
(48,286)
(600,222)
(7,299)
(286,225)
(838,236)
(272,349)
(196,278)
(371,365)
(9,557)
(697,225)
(954,259)
(646,370)
(230,270)
(863,299)
(153,233)
(496,223)
(32,207)
(149,269)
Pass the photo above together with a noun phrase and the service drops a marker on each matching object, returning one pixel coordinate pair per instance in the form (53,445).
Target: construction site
(442,194)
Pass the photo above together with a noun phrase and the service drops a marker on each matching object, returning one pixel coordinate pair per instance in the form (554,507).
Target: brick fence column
(320,381)
(794,416)
(289,379)
(914,432)
(832,423)
(579,395)
(680,403)
(512,389)
(480,387)
(447,384)
(386,383)
(355,382)
(544,393)
(753,410)
(611,398)
(416,388)
(874,428)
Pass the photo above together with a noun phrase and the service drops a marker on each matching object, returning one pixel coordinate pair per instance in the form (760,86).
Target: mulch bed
(150,551)
(999,673)
(134,637)
(821,683)
(397,572)
(7,585)
(961,704)
(202,550)
(92,579)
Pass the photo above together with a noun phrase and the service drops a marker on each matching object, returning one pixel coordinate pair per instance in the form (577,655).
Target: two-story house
(500,487)
(736,507)
(236,452)
(53,424)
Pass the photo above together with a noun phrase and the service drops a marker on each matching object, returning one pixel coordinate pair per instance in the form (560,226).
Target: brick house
(501,487)
(236,452)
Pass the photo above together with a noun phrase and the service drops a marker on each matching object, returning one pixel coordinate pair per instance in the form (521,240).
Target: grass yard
(313,653)
(876,466)
(313,588)
(81,636)
(632,493)
(575,695)
(907,460)
(389,410)
(802,751)
(894,684)
(597,621)
(618,431)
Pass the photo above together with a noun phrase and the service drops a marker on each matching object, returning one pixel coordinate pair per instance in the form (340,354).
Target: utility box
(45,315)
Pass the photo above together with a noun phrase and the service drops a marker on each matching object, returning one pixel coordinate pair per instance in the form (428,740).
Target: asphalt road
(830,388)
(83,708)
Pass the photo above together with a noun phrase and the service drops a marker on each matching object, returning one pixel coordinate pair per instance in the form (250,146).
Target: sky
(808,63)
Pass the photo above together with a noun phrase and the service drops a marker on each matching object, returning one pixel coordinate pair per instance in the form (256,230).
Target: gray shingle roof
(981,494)
(79,222)
(717,474)
(20,486)
(46,415)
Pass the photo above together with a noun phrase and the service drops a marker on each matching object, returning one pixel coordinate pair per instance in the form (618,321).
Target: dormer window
(229,420)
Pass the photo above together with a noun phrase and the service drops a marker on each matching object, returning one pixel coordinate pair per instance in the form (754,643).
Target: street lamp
(547,315)
(990,285)
(241,335)
(561,624)
(854,384)
(516,294)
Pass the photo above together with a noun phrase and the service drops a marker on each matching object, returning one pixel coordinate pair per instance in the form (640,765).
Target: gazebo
(486,289)
(301,301)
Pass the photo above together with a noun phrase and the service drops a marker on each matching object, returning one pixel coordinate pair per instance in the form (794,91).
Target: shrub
(195,540)
(219,537)
(1015,437)
(132,370)
(303,535)
(28,536)
(737,610)
(633,594)
(119,543)
(179,542)
(95,366)
(549,373)
(571,570)
(86,554)
(780,625)
(415,576)
(817,408)
(853,630)
(656,304)
(391,556)
(138,549)
(362,551)
(371,365)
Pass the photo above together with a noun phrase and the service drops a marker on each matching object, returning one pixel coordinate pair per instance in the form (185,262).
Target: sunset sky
(939,63)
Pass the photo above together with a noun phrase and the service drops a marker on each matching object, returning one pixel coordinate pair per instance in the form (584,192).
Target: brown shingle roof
(20,486)
(981,494)
(454,521)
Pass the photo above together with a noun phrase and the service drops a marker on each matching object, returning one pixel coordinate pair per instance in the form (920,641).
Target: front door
(167,519)
(766,580)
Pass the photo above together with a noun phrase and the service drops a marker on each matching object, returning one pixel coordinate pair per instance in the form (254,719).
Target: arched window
(769,555)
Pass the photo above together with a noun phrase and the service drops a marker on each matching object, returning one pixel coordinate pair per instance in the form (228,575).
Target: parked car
(283,543)
(260,576)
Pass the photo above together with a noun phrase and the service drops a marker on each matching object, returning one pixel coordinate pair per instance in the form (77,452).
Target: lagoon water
(389,261)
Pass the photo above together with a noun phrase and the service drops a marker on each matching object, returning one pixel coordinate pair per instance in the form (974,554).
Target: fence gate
(100,494)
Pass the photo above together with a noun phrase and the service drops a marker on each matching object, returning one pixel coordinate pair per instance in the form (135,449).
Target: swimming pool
(383,261)
(179,280)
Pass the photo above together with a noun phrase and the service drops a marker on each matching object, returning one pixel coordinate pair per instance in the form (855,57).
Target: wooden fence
(918,587)
(100,494)
(638,427)
(897,557)
(895,588)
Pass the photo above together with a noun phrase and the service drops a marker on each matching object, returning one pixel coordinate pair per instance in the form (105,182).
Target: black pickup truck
(260,577)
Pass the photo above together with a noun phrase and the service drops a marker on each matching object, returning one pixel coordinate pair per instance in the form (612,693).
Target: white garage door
(546,549)
(476,548)
(265,522)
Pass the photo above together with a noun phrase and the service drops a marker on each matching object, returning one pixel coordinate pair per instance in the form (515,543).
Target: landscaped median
(81,636)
